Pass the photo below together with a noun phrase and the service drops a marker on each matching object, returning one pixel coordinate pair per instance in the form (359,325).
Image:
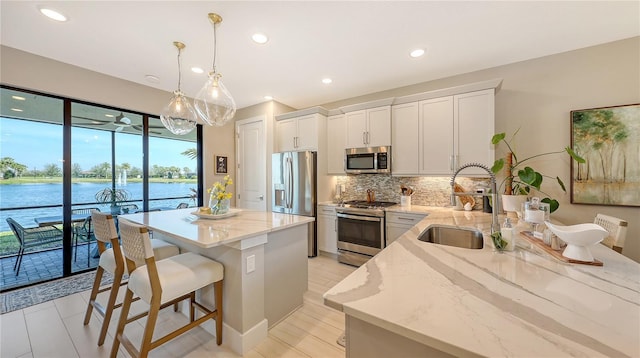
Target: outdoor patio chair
(83,230)
(32,237)
(183,205)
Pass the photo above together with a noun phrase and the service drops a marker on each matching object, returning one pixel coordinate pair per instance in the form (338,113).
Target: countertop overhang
(207,233)
(482,303)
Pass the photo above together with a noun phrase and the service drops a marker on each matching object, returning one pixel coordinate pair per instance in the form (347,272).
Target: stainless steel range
(360,230)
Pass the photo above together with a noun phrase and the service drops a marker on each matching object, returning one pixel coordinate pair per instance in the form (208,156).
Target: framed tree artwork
(608,138)
(221,164)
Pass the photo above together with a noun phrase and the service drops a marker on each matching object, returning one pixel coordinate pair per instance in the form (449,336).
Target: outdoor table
(57,219)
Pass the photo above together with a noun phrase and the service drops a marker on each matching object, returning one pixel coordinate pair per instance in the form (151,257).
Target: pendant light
(214,104)
(178,116)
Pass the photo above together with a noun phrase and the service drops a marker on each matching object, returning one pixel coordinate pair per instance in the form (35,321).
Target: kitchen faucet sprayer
(495,226)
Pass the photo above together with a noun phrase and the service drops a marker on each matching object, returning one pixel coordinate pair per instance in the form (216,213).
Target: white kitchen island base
(265,262)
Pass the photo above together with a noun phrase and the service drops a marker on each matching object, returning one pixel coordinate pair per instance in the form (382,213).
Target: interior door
(251,152)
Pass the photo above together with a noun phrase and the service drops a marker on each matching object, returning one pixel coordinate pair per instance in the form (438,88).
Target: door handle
(261,197)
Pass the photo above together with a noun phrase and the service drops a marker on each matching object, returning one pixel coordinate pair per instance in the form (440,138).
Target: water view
(25,195)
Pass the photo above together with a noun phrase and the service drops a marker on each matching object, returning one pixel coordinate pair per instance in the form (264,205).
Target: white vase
(512,204)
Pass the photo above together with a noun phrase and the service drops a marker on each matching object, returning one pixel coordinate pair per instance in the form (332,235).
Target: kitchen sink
(453,236)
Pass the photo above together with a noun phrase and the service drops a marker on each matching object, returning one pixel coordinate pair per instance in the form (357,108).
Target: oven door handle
(358,217)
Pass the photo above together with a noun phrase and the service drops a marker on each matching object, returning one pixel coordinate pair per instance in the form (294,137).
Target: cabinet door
(327,236)
(285,135)
(336,144)
(436,136)
(394,231)
(379,126)
(474,126)
(404,142)
(307,134)
(356,128)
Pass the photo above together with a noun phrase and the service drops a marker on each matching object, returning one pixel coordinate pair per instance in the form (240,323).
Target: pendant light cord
(215,49)
(179,72)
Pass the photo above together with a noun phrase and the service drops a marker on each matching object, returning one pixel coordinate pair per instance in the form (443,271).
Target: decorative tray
(230,213)
(528,236)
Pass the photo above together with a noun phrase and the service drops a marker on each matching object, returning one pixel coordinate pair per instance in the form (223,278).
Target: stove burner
(363,204)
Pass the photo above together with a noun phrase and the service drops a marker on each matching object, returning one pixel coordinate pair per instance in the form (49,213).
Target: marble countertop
(479,302)
(207,233)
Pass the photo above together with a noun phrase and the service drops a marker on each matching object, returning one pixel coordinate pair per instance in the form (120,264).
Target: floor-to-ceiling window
(62,157)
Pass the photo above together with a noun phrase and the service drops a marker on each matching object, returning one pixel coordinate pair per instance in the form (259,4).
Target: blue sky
(37,144)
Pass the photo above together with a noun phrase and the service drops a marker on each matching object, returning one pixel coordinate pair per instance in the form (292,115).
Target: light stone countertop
(481,303)
(207,233)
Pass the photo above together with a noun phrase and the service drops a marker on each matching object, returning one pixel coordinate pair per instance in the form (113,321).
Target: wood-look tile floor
(55,329)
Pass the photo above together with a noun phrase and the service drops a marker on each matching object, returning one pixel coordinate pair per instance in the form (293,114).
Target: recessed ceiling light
(152,78)
(268,98)
(327,80)
(417,53)
(260,38)
(197,70)
(17,110)
(53,14)
(109,115)
(18,98)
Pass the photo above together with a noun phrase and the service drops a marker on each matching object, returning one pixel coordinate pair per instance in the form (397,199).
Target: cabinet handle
(364,137)
(451,163)
(335,225)
(403,218)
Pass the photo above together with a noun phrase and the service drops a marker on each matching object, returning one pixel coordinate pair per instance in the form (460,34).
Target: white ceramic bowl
(579,238)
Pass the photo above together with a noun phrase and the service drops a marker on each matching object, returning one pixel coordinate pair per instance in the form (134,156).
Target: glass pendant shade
(179,116)
(214,104)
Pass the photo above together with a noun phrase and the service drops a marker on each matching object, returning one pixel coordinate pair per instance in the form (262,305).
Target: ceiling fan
(121,122)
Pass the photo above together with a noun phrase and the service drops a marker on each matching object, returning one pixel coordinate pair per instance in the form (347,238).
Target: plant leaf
(553,204)
(497,166)
(497,138)
(575,156)
(561,184)
(527,175)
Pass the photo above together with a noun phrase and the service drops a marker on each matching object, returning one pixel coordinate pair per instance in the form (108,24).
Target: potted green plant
(112,196)
(520,179)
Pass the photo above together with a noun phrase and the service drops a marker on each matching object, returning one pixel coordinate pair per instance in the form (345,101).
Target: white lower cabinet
(327,226)
(398,223)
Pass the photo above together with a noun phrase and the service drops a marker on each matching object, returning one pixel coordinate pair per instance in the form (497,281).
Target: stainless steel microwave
(370,160)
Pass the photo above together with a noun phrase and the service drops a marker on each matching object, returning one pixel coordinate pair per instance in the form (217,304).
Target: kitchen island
(421,299)
(265,265)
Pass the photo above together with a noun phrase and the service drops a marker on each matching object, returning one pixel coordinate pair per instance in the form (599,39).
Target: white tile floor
(55,329)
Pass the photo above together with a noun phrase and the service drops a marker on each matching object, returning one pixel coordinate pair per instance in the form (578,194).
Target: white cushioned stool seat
(161,249)
(178,275)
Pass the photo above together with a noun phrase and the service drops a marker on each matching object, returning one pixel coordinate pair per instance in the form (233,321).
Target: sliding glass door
(61,158)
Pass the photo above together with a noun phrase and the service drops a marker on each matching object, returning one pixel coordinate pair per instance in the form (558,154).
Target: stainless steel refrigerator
(295,188)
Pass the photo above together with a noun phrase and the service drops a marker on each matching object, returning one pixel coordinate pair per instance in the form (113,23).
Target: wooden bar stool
(163,283)
(112,261)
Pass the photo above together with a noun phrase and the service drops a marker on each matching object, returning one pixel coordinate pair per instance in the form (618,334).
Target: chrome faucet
(495,225)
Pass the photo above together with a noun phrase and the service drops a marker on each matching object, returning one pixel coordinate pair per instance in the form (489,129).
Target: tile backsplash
(429,191)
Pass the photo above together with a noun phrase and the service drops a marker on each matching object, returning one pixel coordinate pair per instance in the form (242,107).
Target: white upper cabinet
(369,127)
(404,121)
(336,144)
(435,127)
(297,134)
(435,136)
(474,125)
